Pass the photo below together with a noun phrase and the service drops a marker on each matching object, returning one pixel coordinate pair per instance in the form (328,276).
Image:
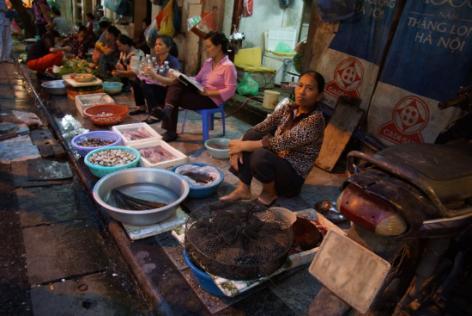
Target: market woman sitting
(218,78)
(281,150)
(42,55)
(123,67)
(154,79)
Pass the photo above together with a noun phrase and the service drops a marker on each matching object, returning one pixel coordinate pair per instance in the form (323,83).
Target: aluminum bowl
(54,87)
(170,187)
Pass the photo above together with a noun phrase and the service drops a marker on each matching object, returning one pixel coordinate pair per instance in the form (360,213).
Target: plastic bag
(111,4)
(150,34)
(248,86)
(167,27)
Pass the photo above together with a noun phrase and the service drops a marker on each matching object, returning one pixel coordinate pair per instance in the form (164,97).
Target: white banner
(397,116)
(347,75)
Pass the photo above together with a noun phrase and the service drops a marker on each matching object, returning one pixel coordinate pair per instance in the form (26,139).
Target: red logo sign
(409,117)
(347,78)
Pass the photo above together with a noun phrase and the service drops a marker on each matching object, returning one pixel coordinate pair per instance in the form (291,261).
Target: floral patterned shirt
(295,138)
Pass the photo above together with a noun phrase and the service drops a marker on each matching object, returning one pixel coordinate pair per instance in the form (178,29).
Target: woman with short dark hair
(281,150)
(106,53)
(218,78)
(127,51)
(155,80)
(123,67)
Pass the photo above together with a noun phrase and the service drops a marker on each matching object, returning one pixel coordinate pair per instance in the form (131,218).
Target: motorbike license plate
(352,272)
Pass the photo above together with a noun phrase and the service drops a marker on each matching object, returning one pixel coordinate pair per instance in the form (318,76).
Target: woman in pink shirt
(218,78)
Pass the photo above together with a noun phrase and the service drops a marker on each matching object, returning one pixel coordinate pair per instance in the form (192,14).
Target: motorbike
(410,204)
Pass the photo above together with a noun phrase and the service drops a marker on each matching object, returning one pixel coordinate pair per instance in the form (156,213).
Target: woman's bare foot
(242,192)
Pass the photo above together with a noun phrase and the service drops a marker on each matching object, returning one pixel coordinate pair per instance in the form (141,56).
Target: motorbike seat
(445,169)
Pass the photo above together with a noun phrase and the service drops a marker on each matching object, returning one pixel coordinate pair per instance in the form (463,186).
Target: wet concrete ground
(56,257)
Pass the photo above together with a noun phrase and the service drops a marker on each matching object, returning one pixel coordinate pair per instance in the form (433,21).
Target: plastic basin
(200,192)
(105,135)
(218,147)
(106,114)
(100,171)
(203,278)
(112,87)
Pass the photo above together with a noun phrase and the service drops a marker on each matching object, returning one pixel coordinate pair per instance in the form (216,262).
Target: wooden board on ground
(337,134)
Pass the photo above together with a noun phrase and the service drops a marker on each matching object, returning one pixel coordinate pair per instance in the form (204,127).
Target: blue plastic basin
(100,171)
(203,278)
(200,192)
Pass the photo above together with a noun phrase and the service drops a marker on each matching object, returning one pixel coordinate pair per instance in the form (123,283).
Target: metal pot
(54,87)
(169,187)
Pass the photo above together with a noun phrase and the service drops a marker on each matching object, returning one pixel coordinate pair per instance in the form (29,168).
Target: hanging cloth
(209,20)
(177,17)
(248,7)
(164,20)
(124,8)
(338,10)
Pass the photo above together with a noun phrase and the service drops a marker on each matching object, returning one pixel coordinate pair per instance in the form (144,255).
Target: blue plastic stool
(207,120)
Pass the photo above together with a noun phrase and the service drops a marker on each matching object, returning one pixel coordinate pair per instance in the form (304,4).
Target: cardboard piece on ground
(337,134)
(21,129)
(141,232)
(21,177)
(45,170)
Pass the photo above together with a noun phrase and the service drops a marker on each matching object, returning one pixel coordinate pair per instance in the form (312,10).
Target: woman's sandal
(137,111)
(267,204)
(151,120)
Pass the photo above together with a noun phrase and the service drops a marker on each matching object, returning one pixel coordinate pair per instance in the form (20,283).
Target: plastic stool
(207,120)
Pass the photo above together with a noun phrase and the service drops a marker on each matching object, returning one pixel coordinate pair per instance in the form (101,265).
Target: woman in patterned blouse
(281,150)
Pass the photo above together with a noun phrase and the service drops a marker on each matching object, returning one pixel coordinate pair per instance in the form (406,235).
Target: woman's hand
(149,72)
(236,146)
(209,93)
(120,67)
(172,74)
(116,73)
(234,161)
(204,92)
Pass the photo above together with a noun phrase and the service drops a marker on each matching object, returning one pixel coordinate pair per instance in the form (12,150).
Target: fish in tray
(199,177)
(156,154)
(136,133)
(129,202)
